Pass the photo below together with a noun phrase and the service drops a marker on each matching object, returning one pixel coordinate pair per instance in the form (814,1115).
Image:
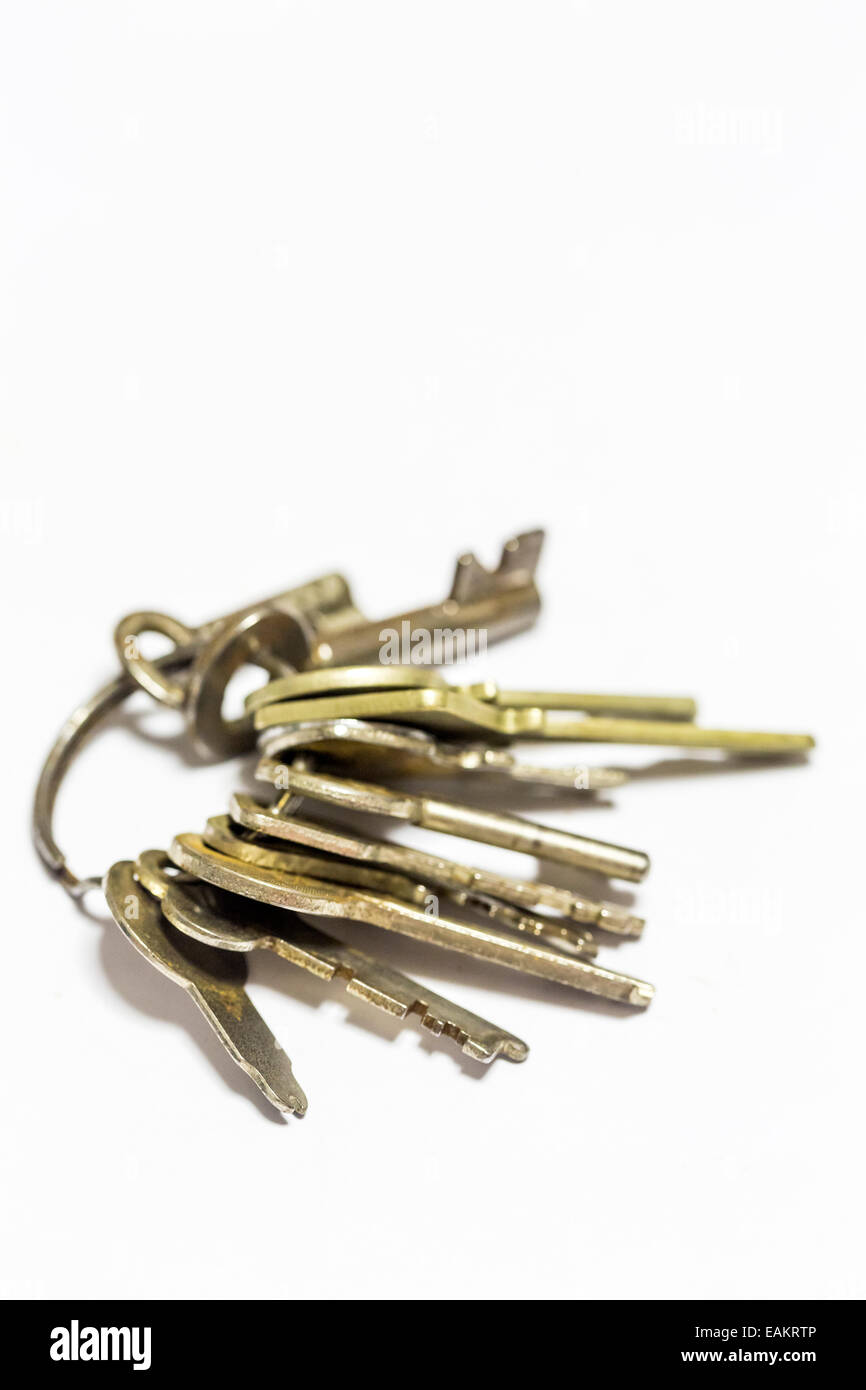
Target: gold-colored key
(213,979)
(190,853)
(529,895)
(220,833)
(453,710)
(370,680)
(452,818)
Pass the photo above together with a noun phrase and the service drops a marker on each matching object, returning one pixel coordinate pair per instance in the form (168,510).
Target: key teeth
(505,1045)
(470,578)
(519,558)
(521,553)
(512,1048)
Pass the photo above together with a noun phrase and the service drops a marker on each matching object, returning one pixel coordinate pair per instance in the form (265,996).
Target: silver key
(213,979)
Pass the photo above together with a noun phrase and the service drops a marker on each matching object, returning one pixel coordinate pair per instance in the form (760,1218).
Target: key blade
(214,980)
(457,818)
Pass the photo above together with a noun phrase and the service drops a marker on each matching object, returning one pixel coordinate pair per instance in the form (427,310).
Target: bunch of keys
(252,877)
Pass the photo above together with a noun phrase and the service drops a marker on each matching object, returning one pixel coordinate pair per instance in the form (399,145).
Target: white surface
(292,287)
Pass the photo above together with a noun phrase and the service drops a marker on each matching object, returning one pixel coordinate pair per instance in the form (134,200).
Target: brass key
(454,711)
(372,680)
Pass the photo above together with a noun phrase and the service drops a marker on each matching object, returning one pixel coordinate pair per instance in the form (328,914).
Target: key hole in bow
(245,680)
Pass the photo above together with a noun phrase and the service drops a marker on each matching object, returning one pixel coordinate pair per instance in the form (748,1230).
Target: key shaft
(451,818)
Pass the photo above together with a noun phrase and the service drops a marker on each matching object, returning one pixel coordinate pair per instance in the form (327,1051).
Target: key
(409,750)
(234,924)
(453,711)
(219,833)
(483,606)
(445,873)
(213,979)
(190,853)
(491,828)
(369,680)
(317,624)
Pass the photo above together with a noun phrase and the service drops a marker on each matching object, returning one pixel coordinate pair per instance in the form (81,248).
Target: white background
(295,287)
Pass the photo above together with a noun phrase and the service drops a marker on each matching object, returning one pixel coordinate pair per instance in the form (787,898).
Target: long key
(190,853)
(368,680)
(233,924)
(213,979)
(488,604)
(446,873)
(219,833)
(490,827)
(416,749)
(453,711)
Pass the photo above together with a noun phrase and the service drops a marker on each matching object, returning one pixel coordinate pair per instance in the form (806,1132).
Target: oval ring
(145,673)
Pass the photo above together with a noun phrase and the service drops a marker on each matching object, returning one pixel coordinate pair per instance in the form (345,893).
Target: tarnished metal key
(409,751)
(190,853)
(528,895)
(232,923)
(214,980)
(452,818)
(483,606)
(220,833)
